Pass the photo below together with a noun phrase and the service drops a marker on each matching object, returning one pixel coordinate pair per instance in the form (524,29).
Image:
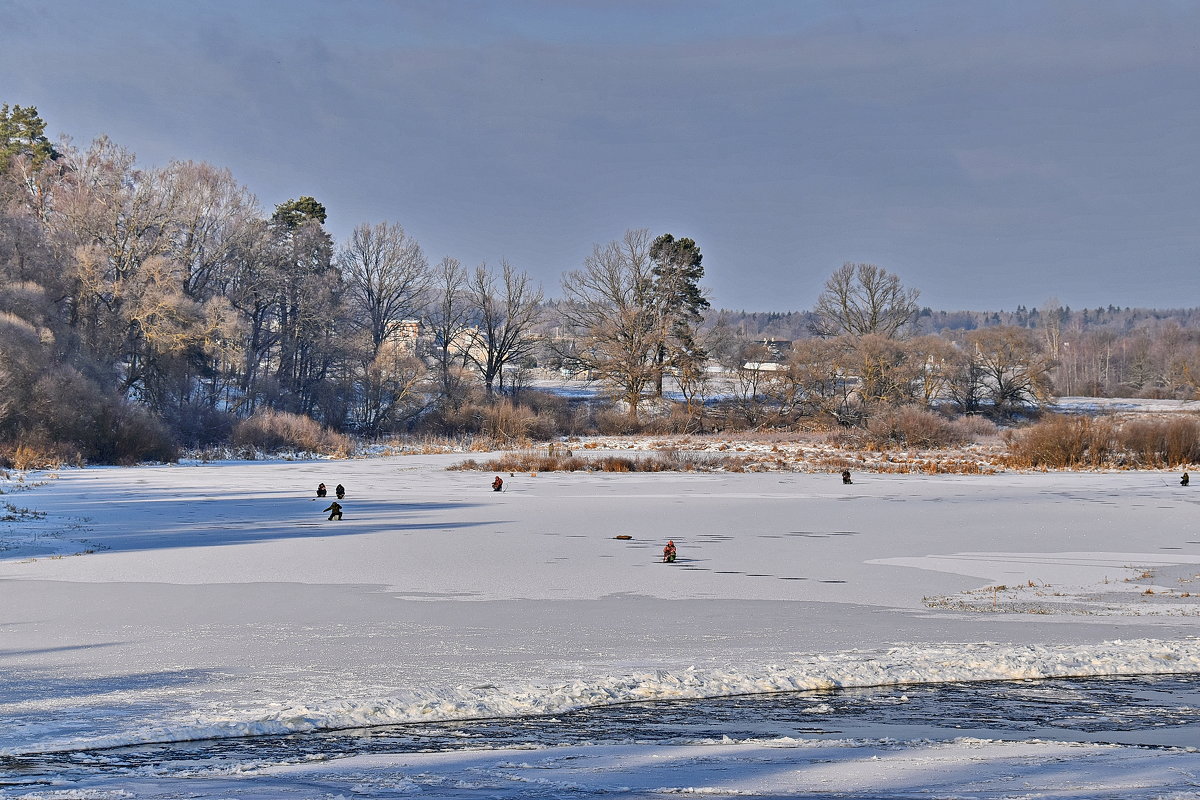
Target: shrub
(133,435)
(912,426)
(847,438)
(1165,443)
(616,422)
(1084,442)
(1059,442)
(974,428)
(41,455)
(279,430)
(668,461)
(201,426)
(1181,441)
(533,416)
(679,419)
(68,418)
(505,420)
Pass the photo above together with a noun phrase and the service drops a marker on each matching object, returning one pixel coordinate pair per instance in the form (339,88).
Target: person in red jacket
(498,484)
(669,552)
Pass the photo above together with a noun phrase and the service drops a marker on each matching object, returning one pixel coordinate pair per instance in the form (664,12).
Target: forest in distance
(144,310)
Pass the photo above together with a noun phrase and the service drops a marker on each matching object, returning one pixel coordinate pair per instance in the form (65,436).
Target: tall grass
(665,461)
(1082,442)
(278,430)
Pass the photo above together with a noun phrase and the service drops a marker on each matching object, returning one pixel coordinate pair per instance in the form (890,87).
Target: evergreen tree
(678,303)
(23,133)
(294,213)
(307,304)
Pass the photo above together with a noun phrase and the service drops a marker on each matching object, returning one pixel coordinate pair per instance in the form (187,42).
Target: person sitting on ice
(340,491)
(335,510)
(320,490)
(846,476)
(1184,480)
(669,552)
(498,484)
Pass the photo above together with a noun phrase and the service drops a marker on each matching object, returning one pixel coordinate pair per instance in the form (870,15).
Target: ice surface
(216,599)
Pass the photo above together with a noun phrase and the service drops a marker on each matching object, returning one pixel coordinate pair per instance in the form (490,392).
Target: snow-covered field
(178,602)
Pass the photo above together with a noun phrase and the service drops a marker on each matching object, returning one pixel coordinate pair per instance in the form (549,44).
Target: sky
(991,154)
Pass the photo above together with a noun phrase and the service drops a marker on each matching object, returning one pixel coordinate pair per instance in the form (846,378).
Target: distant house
(404,337)
(408,329)
(468,343)
(776,353)
(777,349)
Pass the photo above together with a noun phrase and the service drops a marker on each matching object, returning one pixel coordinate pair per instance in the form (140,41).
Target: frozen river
(211,608)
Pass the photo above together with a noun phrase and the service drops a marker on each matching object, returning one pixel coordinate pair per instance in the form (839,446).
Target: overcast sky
(990,153)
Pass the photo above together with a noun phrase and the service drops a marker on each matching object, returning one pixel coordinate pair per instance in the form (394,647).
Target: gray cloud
(991,153)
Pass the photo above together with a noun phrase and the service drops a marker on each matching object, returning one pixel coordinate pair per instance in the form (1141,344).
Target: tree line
(166,300)
(145,308)
(1100,352)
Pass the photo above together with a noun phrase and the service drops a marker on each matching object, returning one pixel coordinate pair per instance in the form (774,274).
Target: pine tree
(23,133)
(294,213)
(678,303)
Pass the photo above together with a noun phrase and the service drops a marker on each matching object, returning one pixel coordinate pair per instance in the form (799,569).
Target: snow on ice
(179,602)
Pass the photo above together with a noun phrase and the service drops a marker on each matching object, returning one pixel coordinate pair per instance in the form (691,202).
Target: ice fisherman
(1184,480)
(340,491)
(498,484)
(335,510)
(669,552)
(321,490)
(846,476)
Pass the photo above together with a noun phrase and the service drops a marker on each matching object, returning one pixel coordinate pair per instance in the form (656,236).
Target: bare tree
(387,277)
(106,202)
(817,379)
(388,390)
(448,318)
(212,219)
(1052,315)
(860,299)
(608,307)
(887,374)
(1010,365)
(937,355)
(965,380)
(505,309)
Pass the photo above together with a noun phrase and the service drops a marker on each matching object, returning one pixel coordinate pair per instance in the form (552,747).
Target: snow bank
(854,669)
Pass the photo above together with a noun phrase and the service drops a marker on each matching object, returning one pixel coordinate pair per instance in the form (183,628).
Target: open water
(1152,711)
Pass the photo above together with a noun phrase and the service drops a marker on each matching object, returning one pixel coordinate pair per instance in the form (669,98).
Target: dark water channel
(1153,711)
